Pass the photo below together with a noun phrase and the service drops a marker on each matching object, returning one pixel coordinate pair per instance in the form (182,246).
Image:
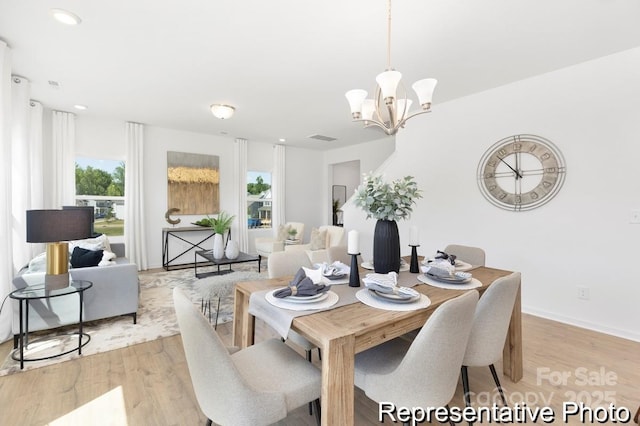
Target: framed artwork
(193,183)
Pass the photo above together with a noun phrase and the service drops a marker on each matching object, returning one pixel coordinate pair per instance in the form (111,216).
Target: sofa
(115,292)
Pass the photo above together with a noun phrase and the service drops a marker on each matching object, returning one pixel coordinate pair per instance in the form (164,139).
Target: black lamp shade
(48,226)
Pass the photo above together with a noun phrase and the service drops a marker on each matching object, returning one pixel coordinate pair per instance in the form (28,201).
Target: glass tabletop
(39,291)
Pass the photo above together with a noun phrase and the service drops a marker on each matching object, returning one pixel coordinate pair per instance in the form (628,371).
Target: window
(100,184)
(259,199)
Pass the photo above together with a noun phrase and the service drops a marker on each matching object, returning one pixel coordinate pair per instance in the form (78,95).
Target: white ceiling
(286,64)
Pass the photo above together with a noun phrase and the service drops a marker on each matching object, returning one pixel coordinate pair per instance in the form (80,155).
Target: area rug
(156,316)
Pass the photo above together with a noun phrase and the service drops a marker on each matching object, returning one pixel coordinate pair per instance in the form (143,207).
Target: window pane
(259,199)
(100,184)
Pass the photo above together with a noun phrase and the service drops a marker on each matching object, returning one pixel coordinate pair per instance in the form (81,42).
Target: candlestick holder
(413,267)
(354,275)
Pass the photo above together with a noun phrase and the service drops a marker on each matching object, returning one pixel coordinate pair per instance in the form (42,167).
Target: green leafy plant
(387,200)
(292,233)
(222,223)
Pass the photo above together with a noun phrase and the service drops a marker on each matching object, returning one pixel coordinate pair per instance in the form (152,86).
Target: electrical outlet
(583,293)
(635,217)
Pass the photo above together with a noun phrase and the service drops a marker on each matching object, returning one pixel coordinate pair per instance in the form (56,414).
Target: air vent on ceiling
(321,138)
(54,84)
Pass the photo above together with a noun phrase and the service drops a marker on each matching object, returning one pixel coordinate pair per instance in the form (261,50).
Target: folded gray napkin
(442,255)
(300,286)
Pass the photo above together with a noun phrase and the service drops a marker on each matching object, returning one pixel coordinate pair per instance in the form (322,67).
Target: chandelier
(387,110)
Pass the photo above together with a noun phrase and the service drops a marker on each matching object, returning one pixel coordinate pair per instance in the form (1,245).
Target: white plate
(306,299)
(394,297)
(369,265)
(450,280)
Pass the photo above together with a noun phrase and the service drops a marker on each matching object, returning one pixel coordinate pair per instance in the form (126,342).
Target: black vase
(386,247)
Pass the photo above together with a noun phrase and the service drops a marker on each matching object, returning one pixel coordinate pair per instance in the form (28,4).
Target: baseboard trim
(624,334)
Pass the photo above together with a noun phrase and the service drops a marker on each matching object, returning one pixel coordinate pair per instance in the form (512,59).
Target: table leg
(338,381)
(243,322)
(21,336)
(512,352)
(80,324)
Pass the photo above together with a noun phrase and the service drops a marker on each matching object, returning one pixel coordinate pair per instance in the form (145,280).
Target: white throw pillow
(38,263)
(107,258)
(98,243)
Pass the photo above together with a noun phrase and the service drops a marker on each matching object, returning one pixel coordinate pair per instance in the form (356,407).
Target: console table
(181,233)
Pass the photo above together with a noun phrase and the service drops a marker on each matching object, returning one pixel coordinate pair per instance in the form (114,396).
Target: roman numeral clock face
(521,172)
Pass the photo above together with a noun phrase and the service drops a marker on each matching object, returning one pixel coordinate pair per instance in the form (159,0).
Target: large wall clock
(521,172)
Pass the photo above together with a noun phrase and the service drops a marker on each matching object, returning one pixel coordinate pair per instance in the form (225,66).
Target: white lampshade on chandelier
(388,110)
(222,111)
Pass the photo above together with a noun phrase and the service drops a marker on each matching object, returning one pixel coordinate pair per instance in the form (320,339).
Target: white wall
(583,237)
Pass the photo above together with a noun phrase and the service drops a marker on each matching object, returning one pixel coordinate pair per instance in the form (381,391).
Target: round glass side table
(36,292)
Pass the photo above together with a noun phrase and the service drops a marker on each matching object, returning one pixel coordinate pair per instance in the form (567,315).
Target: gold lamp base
(57,275)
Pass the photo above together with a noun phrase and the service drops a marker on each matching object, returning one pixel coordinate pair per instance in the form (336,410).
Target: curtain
(134,221)
(240,183)
(21,176)
(6,259)
(63,159)
(278,187)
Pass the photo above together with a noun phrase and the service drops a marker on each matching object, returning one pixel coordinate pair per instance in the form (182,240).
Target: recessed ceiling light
(282,140)
(65,16)
(80,107)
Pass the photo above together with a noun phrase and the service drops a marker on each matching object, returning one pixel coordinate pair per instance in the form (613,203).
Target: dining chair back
(283,263)
(473,255)
(259,385)
(339,253)
(490,327)
(424,372)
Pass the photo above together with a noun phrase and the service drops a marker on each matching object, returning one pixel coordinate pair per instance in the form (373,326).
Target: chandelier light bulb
(424,90)
(355,98)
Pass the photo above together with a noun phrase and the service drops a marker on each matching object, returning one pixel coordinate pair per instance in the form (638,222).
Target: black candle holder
(354,275)
(413,267)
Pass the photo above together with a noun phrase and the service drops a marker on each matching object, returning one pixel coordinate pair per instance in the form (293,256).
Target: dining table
(344,331)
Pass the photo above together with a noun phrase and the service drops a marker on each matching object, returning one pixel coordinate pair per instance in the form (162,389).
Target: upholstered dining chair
(422,373)
(282,264)
(258,385)
(339,254)
(473,255)
(490,326)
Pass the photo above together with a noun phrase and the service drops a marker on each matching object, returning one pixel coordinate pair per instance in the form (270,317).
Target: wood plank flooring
(149,383)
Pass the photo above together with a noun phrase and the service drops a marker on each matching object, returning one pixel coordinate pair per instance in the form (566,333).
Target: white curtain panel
(240,183)
(36,157)
(134,221)
(63,181)
(6,259)
(278,187)
(20,168)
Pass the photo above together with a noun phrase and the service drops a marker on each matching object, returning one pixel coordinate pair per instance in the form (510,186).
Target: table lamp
(56,227)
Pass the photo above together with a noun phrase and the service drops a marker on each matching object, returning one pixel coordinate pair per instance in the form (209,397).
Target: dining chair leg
(449,411)
(215,327)
(465,386)
(209,422)
(495,379)
(316,405)
(308,353)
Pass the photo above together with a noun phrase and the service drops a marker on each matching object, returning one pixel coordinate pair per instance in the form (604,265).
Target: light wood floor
(149,384)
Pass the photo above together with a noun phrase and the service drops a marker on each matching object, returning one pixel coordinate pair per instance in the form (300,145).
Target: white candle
(414,236)
(352,242)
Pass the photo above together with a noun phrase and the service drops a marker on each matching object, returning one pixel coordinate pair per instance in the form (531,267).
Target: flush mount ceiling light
(387,111)
(222,111)
(65,16)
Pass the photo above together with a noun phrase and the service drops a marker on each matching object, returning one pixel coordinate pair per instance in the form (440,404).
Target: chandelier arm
(401,123)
